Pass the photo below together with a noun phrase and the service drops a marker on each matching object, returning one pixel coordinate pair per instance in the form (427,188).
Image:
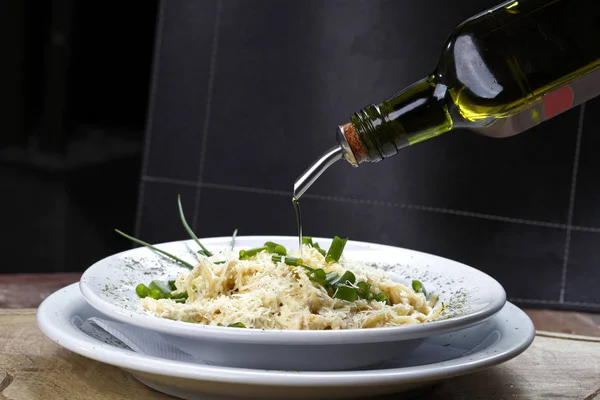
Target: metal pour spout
(314,171)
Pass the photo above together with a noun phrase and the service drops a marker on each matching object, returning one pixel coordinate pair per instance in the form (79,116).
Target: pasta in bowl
(250,306)
(301,291)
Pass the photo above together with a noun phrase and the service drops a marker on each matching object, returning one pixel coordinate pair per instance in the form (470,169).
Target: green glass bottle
(500,73)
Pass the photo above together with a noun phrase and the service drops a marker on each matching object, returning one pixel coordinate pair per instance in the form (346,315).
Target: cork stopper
(356,145)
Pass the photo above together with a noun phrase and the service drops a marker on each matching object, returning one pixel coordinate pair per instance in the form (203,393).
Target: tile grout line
(169,181)
(150,121)
(565,267)
(235,188)
(579,228)
(380,203)
(438,210)
(207,110)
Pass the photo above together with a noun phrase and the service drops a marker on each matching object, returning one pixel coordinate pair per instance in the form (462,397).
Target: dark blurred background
(74,79)
(109,110)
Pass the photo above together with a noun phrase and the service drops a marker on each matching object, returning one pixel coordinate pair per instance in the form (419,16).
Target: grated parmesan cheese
(263,294)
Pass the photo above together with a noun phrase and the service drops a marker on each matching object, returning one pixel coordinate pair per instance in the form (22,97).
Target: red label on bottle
(558,101)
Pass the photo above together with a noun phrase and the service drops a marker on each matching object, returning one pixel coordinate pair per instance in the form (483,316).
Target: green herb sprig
(233,237)
(293,261)
(418,287)
(204,250)
(160,290)
(307,240)
(335,250)
(246,254)
(141,242)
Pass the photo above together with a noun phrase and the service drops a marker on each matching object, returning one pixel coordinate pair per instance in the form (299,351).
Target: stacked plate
(101,318)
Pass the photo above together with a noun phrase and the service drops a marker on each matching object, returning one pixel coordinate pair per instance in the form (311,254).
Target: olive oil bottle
(500,73)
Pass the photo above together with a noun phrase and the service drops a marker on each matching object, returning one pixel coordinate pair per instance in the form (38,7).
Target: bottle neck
(413,115)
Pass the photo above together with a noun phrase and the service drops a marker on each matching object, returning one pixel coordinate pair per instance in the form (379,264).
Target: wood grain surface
(34,368)
(29,290)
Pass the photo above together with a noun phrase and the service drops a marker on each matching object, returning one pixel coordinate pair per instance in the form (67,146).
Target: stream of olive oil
(298,221)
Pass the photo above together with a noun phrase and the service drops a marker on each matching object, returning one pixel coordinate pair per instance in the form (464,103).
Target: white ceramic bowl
(471,296)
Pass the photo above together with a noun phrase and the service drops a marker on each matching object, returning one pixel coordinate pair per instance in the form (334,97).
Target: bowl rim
(494,291)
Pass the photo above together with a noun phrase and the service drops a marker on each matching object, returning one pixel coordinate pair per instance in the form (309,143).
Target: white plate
(471,296)
(500,338)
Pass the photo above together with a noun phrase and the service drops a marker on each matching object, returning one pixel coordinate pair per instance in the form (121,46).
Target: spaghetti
(262,291)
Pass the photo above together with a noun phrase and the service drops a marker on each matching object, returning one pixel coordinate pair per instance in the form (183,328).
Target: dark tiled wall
(246,94)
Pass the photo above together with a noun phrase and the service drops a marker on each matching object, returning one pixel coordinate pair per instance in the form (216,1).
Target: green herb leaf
(138,241)
(294,261)
(142,290)
(347,293)
(418,287)
(275,248)
(319,249)
(172,285)
(306,267)
(308,240)
(318,276)
(363,289)
(164,289)
(180,296)
(335,250)
(246,254)
(332,277)
(382,297)
(348,277)
(204,250)
(233,237)
(236,325)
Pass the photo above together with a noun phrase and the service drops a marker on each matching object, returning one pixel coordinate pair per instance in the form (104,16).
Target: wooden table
(556,366)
